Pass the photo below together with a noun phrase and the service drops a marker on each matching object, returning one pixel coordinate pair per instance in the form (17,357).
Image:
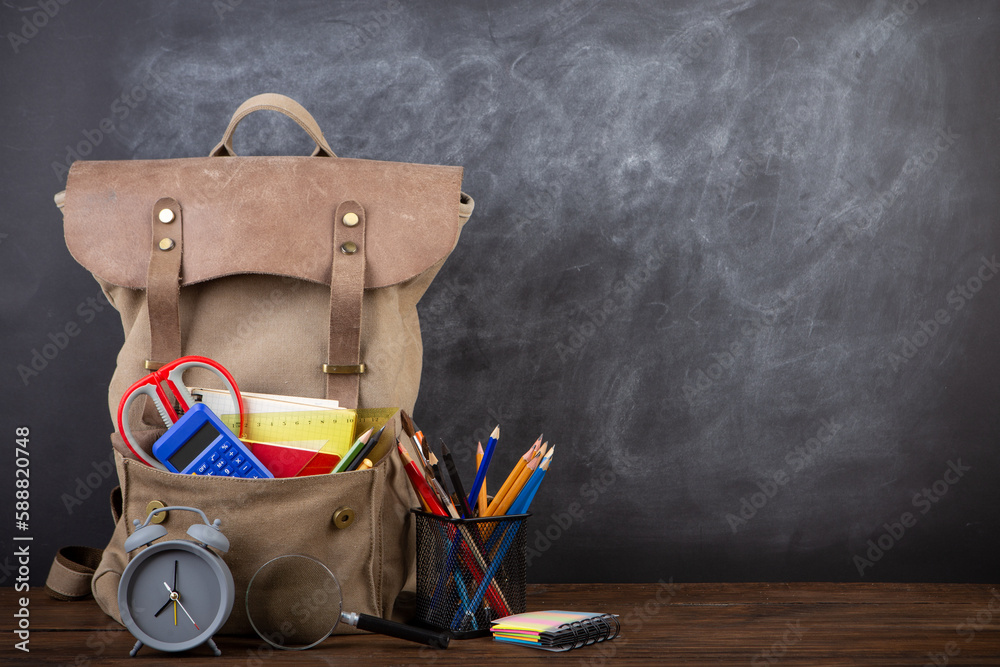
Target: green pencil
(358,445)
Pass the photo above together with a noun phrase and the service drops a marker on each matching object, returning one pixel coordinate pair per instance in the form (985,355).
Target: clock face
(176,595)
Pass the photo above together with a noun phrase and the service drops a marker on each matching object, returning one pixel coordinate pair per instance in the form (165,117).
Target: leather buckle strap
(347,287)
(163,286)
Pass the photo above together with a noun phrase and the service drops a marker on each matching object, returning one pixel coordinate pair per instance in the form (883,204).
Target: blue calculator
(200,443)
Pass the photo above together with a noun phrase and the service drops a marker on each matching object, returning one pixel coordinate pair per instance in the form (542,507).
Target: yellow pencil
(482,490)
(512,478)
(522,479)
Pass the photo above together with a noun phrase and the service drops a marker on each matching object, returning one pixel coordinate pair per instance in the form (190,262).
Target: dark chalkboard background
(716,244)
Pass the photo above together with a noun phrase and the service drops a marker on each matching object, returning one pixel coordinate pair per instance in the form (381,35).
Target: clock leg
(135,649)
(211,645)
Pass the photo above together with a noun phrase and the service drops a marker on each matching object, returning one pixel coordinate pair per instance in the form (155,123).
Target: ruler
(288,441)
(376,418)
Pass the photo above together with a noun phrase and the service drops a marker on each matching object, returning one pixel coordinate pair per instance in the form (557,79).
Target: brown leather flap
(271,215)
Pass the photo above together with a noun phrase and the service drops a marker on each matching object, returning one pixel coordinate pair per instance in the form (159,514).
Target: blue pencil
(481,473)
(523,501)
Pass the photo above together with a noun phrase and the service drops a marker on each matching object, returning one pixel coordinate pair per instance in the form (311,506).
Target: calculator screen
(190,450)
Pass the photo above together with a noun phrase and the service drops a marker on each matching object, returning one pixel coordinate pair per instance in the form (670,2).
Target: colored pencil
(512,477)
(415,433)
(527,494)
(436,469)
(519,483)
(420,484)
(456,481)
(483,494)
(366,450)
(353,451)
(483,467)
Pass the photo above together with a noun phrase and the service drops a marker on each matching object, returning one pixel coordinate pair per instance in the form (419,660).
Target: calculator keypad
(227,460)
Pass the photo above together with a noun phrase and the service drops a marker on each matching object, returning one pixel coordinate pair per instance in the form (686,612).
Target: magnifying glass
(294,602)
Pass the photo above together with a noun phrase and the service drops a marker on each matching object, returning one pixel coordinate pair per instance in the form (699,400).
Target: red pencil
(420,484)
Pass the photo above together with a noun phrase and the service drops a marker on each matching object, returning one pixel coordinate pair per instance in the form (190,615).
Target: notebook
(556,630)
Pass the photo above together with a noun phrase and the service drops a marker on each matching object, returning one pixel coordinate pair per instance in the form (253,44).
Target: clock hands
(170,599)
(165,605)
(175,588)
(176,598)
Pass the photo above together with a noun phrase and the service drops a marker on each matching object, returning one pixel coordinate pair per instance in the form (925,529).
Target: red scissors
(172,375)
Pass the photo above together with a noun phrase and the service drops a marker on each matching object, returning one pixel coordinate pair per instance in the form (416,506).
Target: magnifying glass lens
(294,602)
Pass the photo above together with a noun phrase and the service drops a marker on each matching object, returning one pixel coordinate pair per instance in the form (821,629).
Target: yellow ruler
(331,430)
(376,418)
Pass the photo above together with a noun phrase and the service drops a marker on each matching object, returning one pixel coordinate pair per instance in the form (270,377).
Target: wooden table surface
(662,624)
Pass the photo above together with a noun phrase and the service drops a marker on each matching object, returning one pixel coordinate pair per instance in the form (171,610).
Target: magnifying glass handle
(397,630)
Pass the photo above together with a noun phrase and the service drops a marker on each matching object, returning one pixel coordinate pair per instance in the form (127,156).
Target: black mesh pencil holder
(469,571)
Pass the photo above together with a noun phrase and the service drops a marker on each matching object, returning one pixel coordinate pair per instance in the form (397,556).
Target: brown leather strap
(347,288)
(273,102)
(71,572)
(163,289)
(163,281)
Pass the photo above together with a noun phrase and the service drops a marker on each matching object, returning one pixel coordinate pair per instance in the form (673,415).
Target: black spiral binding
(585,632)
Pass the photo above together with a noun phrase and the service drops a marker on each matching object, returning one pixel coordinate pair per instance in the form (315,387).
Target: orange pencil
(522,479)
(482,489)
(512,478)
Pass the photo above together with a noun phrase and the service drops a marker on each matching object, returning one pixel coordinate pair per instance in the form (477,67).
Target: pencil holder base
(469,572)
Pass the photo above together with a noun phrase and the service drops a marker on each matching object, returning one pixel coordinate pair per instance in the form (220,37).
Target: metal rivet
(343,517)
(166,215)
(350,219)
(167,244)
(155,505)
(349,248)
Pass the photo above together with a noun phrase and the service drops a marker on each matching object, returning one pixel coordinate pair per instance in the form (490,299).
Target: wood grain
(694,624)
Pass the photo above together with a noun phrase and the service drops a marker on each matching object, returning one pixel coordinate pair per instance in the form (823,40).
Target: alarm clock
(175,595)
